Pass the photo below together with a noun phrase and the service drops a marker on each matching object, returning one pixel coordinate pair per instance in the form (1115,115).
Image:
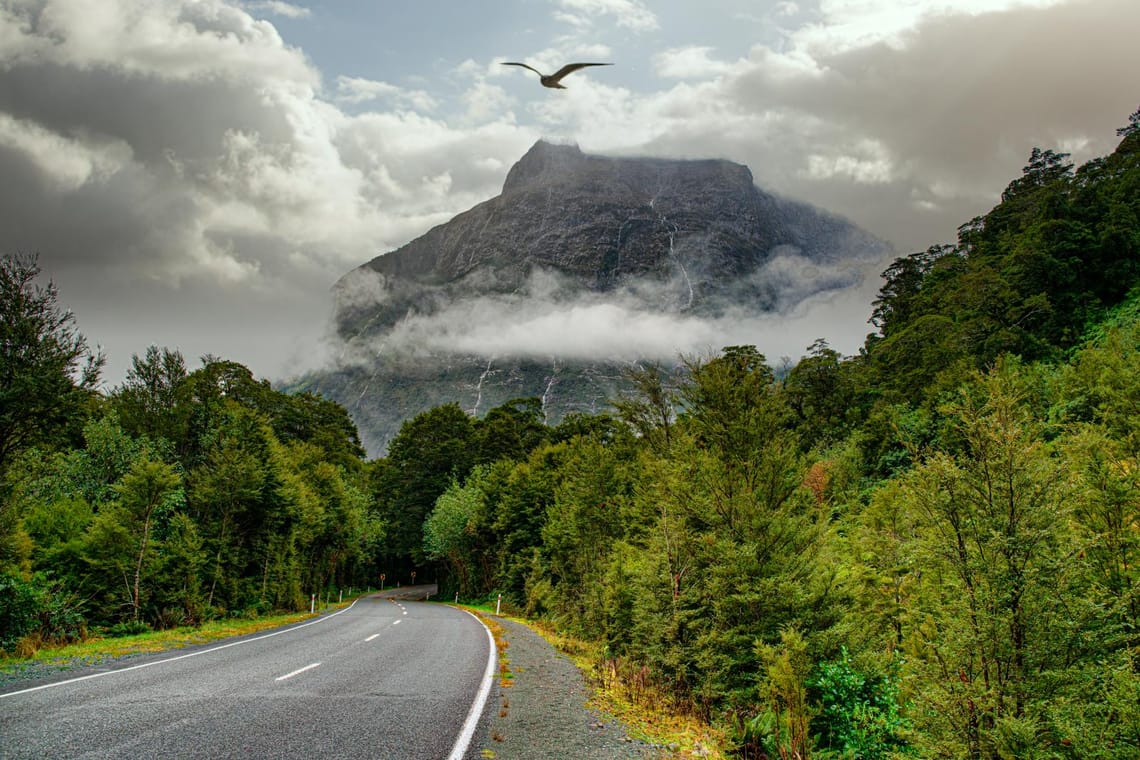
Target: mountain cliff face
(512,297)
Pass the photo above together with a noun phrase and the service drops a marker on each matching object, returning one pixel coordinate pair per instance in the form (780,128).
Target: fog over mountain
(582,266)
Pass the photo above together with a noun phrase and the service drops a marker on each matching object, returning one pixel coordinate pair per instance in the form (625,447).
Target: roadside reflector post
(498,604)
(339,601)
(312,603)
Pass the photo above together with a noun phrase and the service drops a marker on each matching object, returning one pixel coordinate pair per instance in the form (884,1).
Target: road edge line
(475,714)
(41,687)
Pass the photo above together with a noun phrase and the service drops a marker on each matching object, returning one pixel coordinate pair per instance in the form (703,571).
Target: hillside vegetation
(929,549)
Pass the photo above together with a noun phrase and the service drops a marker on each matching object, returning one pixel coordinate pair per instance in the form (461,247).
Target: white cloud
(630,14)
(693,62)
(357,90)
(850,24)
(867,163)
(67,162)
(191,154)
(288,10)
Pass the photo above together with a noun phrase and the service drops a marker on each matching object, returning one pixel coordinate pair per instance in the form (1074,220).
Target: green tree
(56,495)
(650,409)
(151,400)
(590,512)
(225,491)
(993,547)
(431,450)
(452,532)
(901,299)
(47,374)
(177,587)
(148,489)
(511,430)
(820,393)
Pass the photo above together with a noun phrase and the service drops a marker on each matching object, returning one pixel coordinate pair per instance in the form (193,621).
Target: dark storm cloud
(948,113)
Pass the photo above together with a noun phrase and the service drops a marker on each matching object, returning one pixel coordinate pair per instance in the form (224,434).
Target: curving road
(383,678)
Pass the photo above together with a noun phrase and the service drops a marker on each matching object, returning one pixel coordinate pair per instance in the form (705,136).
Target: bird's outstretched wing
(572,67)
(516,63)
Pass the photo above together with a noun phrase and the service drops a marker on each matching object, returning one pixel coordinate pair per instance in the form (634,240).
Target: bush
(20,606)
(37,612)
(128,628)
(859,715)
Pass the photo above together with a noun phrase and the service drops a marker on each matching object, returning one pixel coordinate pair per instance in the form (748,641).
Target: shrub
(128,628)
(20,605)
(858,714)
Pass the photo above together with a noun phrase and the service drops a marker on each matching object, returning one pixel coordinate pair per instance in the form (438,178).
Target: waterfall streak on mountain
(546,392)
(672,228)
(479,388)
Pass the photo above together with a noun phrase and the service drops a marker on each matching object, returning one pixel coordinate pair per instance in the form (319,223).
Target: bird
(554,80)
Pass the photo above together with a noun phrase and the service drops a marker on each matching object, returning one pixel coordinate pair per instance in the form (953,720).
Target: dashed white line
(396,622)
(371,637)
(298,671)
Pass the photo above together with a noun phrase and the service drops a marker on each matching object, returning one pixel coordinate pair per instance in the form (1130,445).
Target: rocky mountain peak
(543,162)
(538,291)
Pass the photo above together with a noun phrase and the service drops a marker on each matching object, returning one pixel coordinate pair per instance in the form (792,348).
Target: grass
(99,648)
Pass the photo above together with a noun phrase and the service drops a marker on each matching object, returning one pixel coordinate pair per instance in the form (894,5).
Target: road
(384,678)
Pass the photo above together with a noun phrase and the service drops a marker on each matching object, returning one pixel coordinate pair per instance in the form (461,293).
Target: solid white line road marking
(297,672)
(459,751)
(179,657)
(371,637)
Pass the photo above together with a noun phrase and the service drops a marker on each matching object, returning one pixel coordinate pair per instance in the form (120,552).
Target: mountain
(581,266)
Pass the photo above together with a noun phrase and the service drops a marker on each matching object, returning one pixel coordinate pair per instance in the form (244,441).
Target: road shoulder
(540,711)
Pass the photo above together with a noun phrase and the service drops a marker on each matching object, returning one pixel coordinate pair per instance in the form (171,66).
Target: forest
(928,549)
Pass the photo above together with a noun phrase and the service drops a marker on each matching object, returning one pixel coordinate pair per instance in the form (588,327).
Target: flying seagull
(554,80)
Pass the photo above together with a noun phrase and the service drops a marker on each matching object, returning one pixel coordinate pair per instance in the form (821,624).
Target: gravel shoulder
(540,713)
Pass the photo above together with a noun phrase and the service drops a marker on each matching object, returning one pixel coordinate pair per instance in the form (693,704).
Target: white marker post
(312,603)
(498,604)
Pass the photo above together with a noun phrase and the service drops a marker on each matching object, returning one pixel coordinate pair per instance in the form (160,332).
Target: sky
(196,174)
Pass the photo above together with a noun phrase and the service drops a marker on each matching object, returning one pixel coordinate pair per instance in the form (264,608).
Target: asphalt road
(384,678)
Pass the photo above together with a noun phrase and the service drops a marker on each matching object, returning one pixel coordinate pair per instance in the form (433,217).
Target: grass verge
(99,648)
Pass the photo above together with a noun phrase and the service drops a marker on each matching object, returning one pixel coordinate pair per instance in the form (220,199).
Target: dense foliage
(930,549)
(177,497)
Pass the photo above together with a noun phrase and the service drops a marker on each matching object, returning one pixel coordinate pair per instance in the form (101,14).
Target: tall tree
(148,402)
(47,372)
(143,492)
(431,450)
(993,539)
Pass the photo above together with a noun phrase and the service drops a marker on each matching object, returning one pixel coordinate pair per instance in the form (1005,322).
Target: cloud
(181,150)
(187,176)
(356,90)
(549,316)
(630,14)
(288,10)
(909,126)
(692,62)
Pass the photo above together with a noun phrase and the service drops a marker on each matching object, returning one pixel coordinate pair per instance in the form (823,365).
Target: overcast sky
(197,173)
